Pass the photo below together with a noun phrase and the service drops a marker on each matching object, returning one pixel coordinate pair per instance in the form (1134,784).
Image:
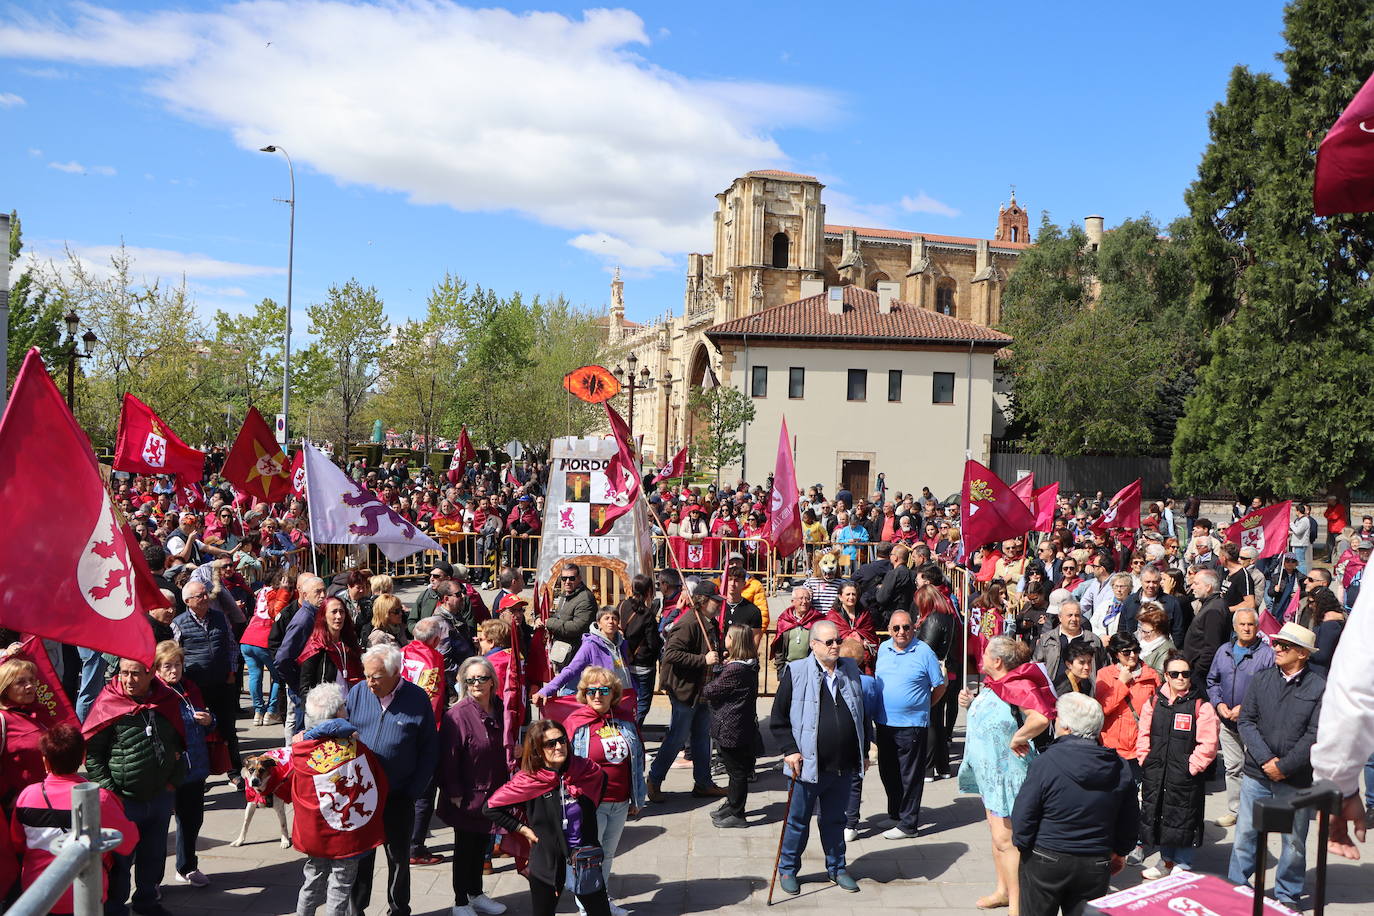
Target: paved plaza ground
(672,860)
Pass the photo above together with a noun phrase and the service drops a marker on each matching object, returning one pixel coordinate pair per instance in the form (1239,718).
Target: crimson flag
(511,479)
(1345,160)
(622,479)
(256,464)
(784,515)
(1043,503)
(1123,511)
(146,445)
(687,555)
(52,707)
(298,474)
(1024,488)
(1265,529)
(463,453)
(189,495)
(673,469)
(988,509)
(76,576)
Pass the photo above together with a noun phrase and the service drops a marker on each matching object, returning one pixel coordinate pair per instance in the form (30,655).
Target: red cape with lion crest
(338,790)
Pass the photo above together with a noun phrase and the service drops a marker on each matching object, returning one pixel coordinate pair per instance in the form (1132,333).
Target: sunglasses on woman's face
(552,743)
(598,691)
(1179,675)
(477,679)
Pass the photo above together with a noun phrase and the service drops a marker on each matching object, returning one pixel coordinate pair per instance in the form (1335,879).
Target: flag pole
(310,517)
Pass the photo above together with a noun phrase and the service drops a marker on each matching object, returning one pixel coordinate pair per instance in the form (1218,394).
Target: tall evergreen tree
(35,318)
(1282,405)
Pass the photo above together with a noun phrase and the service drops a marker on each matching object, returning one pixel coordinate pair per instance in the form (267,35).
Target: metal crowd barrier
(77,864)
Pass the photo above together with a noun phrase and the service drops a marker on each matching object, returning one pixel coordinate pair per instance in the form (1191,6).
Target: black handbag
(588,876)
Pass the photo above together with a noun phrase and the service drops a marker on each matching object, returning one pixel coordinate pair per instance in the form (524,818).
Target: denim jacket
(639,789)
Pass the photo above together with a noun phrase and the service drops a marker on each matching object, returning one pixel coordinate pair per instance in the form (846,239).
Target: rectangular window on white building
(858,385)
(758,383)
(942,388)
(796,382)
(894,384)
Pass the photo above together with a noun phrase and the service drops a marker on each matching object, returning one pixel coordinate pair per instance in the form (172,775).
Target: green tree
(1280,407)
(1102,354)
(35,320)
(246,353)
(723,411)
(351,332)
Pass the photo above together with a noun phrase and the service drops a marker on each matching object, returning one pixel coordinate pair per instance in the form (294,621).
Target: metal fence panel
(1085,473)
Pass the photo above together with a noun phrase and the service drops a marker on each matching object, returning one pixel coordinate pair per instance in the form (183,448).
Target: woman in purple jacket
(602,647)
(472,764)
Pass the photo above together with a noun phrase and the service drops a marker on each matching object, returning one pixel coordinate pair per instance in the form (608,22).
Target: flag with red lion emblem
(146,445)
(989,510)
(1265,529)
(78,575)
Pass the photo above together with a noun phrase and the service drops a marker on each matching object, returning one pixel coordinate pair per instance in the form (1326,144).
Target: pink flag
(1345,160)
(784,517)
(622,478)
(298,474)
(1024,489)
(988,509)
(1043,503)
(1124,511)
(672,469)
(1265,529)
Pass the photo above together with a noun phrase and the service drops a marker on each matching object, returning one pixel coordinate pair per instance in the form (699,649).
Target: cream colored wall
(915,443)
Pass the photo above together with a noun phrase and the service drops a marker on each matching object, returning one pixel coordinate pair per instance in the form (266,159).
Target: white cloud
(36,153)
(77,168)
(560,119)
(148,265)
(10,100)
(843,209)
(924,203)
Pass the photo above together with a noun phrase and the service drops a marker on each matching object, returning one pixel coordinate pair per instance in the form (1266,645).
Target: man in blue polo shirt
(909,681)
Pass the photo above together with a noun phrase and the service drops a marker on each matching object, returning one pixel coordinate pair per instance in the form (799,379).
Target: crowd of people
(1123,666)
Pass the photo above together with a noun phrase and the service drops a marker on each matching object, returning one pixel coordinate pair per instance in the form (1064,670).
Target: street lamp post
(290,269)
(73,324)
(633,382)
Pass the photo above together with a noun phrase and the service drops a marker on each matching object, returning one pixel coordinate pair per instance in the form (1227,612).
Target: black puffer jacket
(733,695)
(1171,810)
(938,631)
(125,759)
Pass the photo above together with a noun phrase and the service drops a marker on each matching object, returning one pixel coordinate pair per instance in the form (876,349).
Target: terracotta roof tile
(907,236)
(810,319)
(775,173)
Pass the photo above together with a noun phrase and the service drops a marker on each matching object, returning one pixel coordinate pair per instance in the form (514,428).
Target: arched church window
(944,298)
(780,252)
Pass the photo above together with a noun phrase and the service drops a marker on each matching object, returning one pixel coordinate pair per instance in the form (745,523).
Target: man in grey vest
(821,726)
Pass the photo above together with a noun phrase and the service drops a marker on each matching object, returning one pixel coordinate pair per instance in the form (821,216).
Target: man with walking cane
(819,722)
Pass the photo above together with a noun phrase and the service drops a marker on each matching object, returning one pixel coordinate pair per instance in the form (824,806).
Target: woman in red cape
(548,809)
(855,623)
(332,649)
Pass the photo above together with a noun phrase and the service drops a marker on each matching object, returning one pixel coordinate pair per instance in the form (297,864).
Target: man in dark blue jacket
(396,722)
(1076,815)
(1233,667)
(1278,726)
(310,589)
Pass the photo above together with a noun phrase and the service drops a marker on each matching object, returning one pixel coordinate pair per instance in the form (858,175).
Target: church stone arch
(781,249)
(696,377)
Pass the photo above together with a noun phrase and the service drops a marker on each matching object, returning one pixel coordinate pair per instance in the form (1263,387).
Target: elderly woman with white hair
(1002,722)
(472,766)
(395,720)
(1076,816)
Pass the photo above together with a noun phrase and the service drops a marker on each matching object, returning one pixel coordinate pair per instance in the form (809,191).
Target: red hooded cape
(788,620)
(347,659)
(338,789)
(113,703)
(861,629)
(1026,686)
(581,777)
(423,666)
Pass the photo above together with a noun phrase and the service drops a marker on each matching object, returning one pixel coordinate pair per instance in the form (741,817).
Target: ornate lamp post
(73,325)
(643,381)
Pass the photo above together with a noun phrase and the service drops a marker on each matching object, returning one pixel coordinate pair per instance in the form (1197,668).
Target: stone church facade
(771,247)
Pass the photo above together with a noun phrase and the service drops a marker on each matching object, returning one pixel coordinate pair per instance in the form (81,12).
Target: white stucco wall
(914,442)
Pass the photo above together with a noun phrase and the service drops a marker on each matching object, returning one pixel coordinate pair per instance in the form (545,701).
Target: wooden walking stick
(772,882)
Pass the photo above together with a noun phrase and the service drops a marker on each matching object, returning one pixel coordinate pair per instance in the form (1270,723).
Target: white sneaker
(484,904)
(195,877)
(897,833)
(463,910)
(1155,872)
(618,910)
(850,834)
(257,718)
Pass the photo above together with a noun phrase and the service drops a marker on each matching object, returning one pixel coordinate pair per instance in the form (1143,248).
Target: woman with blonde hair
(21,760)
(388,615)
(382,584)
(733,695)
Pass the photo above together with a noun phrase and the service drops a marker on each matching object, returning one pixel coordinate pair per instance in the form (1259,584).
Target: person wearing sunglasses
(1177,741)
(549,806)
(601,647)
(611,741)
(472,765)
(573,614)
(823,731)
(1278,727)
(910,680)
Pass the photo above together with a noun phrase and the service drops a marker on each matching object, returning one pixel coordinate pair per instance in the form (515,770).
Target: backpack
(1311,529)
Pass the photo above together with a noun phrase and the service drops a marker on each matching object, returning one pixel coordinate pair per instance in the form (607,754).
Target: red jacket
(423,666)
(42,816)
(22,763)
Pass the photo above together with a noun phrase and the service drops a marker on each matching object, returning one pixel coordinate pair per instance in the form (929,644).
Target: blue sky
(535,148)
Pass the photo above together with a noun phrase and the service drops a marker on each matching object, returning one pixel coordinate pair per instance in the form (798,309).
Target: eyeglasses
(1282,646)
(1179,675)
(552,743)
(598,691)
(899,627)
(567,578)
(828,642)
(477,679)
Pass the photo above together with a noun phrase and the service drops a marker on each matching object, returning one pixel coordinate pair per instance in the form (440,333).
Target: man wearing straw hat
(1278,726)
